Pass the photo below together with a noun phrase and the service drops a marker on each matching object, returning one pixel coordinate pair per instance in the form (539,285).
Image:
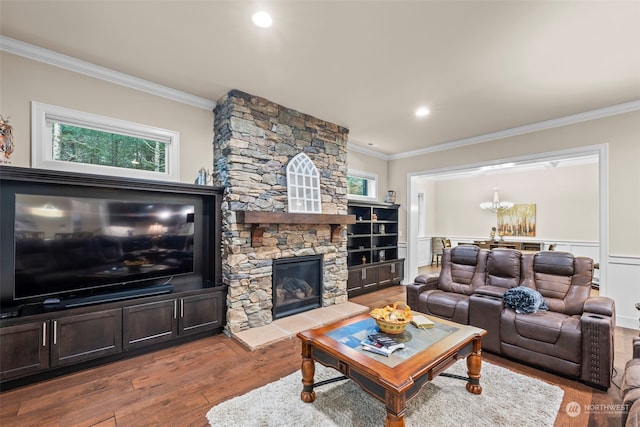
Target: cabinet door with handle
(149,323)
(85,336)
(200,312)
(24,349)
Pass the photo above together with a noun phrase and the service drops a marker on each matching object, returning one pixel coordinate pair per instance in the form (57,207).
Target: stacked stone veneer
(254,141)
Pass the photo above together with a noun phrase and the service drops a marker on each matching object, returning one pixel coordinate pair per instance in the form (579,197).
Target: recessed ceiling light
(262,19)
(422,111)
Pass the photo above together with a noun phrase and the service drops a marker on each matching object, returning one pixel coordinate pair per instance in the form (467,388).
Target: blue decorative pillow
(524,300)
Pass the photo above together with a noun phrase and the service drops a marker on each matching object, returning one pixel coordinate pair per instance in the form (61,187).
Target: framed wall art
(520,220)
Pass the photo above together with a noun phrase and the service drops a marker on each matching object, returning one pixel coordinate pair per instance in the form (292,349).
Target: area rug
(507,399)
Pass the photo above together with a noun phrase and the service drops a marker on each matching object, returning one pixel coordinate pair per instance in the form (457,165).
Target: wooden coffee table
(395,379)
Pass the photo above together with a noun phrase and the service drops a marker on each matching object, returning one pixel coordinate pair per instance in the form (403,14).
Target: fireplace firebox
(297,285)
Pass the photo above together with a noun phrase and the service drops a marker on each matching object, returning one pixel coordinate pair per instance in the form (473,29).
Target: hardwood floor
(177,386)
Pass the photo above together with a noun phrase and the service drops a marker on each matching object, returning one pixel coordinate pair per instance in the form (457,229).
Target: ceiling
(479,66)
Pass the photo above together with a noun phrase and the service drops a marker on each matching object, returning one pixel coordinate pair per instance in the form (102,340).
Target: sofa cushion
(463,269)
(503,268)
(546,332)
(555,263)
(465,255)
(447,305)
(546,327)
(563,280)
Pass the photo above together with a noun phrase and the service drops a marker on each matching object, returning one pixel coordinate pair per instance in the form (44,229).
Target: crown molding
(367,151)
(521,130)
(56,59)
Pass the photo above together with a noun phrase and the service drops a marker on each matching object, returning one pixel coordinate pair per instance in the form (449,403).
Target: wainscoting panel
(424,251)
(623,285)
(402,253)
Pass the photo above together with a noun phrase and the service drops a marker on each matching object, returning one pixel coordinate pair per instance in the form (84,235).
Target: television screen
(67,244)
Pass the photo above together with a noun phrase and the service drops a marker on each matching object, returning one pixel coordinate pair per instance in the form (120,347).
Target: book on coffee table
(422,322)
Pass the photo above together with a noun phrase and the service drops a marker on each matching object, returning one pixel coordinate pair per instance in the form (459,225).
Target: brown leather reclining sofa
(573,337)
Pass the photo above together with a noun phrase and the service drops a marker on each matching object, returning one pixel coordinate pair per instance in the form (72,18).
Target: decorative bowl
(392,319)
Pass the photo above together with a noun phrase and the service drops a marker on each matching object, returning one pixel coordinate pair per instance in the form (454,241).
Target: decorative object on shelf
(381,229)
(492,234)
(364,259)
(392,319)
(496,205)
(381,256)
(391,197)
(6,139)
(204,177)
(520,220)
(374,217)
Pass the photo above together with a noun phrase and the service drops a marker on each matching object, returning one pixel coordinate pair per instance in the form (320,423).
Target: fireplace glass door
(297,285)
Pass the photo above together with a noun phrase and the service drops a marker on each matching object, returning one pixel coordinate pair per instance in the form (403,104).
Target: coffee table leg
(308,371)
(474,362)
(396,406)
(394,420)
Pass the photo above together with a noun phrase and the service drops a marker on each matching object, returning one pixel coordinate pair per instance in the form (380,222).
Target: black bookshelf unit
(372,247)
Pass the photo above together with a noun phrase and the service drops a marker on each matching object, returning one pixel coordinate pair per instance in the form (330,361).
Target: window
(303,185)
(361,185)
(76,141)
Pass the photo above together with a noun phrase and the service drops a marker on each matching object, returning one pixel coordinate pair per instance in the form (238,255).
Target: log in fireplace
(297,285)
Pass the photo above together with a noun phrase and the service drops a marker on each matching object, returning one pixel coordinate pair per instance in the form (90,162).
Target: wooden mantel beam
(257,217)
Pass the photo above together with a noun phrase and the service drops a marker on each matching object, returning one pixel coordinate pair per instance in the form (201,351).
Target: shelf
(366,232)
(256,218)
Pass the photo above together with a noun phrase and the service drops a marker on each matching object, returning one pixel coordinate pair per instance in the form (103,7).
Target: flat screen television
(70,242)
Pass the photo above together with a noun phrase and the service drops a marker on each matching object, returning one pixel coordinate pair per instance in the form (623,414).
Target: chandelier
(496,205)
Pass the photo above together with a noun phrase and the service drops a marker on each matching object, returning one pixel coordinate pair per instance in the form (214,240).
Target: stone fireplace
(254,141)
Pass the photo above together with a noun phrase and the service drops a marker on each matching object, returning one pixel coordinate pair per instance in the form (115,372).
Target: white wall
(23,80)
(566,200)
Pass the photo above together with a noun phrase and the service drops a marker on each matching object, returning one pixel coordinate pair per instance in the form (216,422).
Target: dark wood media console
(39,341)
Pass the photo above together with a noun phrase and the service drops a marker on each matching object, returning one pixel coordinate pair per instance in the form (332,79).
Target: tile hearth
(288,327)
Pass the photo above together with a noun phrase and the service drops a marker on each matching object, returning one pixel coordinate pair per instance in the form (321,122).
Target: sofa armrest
(426,279)
(600,305)
(492,291)
(598,330)
(421,284)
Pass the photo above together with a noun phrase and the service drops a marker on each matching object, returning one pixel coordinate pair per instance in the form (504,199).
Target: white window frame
(42,115)
(372,188)
(303,185)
